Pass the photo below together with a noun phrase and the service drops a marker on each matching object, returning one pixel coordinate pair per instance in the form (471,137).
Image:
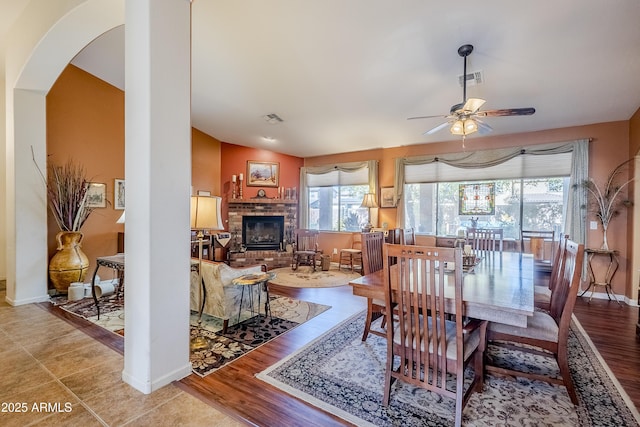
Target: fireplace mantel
(262,200)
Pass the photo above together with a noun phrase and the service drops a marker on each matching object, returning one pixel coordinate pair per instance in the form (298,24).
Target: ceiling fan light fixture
(457,128)
(470,126)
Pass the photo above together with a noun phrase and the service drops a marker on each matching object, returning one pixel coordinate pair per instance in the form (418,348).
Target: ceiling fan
(464,117)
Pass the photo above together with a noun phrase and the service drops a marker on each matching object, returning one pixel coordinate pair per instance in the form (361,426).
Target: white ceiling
(345,75)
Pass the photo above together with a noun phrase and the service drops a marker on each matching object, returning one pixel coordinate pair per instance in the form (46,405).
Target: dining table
(498,288)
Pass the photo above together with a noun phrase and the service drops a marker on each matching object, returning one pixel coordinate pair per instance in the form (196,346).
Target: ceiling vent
(272,118)
(473,78)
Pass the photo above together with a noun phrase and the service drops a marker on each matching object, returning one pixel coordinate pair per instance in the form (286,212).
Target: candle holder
(240,177)
(233,186)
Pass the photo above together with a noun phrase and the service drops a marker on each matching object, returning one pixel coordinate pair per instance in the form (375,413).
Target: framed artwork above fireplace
(262,174)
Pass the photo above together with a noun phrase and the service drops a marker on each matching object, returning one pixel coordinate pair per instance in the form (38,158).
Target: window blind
(522,166)
(334,178)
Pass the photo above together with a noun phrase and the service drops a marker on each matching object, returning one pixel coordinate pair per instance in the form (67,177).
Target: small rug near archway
(305,277)
(286,314)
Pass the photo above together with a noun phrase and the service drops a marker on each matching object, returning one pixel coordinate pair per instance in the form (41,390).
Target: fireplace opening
(262,232)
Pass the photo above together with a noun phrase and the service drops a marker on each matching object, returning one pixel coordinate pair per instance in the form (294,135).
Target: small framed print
(262,174)
(96,195)
(387,199)
(118,194)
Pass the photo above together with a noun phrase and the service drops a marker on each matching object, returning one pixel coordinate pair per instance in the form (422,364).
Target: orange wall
(205,163)
(85,122)
(234,162)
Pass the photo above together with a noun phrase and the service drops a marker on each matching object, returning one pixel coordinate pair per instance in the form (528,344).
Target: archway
(46,38)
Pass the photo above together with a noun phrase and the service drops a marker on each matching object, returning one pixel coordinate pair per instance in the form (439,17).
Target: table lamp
(369,202)
(205,215)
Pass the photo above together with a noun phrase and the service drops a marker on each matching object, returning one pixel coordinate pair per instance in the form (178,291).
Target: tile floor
(57,375)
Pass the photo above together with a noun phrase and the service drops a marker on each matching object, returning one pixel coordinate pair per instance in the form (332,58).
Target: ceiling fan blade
(473,104)
(437,128)
(508,112)
(483,128)
(425,117)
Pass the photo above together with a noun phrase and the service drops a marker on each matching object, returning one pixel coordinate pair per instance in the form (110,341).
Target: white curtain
(315,174)
(575,218)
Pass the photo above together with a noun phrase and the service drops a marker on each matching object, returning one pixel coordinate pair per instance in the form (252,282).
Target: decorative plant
(67,194)
(606,201)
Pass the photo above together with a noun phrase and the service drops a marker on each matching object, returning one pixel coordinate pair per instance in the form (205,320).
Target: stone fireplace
(257,227)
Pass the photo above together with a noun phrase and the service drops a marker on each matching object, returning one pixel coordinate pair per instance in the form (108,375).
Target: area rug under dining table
(345,376)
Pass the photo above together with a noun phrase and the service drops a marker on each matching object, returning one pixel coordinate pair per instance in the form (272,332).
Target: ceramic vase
(69,264)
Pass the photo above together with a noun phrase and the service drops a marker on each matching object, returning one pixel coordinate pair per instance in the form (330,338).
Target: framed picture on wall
(262,174)
(96,195)
(387,199)
(118,194)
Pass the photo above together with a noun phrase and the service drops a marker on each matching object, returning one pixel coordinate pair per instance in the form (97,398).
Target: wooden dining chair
(542,294)
(419,335)
(408,237)
(547,331)
(393,236)
(543,260)
(305,249)
(352,256)
(371,262)
(483,241)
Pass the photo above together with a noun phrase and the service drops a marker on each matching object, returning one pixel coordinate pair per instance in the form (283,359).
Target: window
(529,204)
(337,208)
(333,196)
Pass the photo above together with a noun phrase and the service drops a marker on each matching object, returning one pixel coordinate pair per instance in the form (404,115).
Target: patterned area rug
(344,376)
(305,277)
(241,338)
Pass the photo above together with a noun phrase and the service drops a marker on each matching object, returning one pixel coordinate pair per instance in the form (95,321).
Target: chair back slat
(372,252)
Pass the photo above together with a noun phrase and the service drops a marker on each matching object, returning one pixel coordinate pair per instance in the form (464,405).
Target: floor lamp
(369,201)
(205,215)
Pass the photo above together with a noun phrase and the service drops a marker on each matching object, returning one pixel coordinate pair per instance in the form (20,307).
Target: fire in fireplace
(262,232)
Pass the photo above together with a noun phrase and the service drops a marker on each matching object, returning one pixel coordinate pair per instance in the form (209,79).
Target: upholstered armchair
(221,297)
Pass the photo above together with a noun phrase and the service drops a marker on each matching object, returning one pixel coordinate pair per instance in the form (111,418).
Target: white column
(158,182)
(26,199)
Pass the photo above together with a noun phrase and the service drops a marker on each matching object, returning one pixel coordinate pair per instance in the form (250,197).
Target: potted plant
(67,198)
(605,201)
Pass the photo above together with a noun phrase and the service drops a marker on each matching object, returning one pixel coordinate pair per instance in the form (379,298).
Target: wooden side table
(611,271)
(115,262)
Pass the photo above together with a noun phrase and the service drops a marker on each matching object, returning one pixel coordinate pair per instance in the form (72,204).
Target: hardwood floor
(235,391)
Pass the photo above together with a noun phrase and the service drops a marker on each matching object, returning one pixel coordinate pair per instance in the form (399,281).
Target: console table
(612,267)
(115,262)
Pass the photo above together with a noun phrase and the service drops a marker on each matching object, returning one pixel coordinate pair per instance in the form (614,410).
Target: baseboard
(149,387)
(41,298)
(603,295)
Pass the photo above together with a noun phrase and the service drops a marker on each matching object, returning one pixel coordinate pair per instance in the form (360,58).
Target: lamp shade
(206,213)
(369,201)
